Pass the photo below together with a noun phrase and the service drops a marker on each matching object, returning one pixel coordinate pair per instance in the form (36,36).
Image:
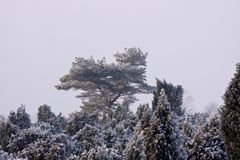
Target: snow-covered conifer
(163,139)
(230,113)
(20,118)
(207,143)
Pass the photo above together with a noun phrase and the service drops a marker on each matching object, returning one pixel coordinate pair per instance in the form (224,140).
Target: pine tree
(103,85)
(162,140)
(230,113)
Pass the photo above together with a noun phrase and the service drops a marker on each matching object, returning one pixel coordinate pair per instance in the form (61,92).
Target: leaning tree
(104,85)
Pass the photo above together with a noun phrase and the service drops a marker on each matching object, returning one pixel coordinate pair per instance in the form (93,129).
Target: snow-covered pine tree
(163,140)
(105,85)
(230,113)
(207,143)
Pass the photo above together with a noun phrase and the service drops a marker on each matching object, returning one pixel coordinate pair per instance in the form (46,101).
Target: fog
(191,43)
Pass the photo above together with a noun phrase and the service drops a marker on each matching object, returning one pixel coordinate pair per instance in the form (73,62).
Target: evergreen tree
(20,118)
(135,148)
(104,85)
(190,125)
(174,95)
(45,114)
(89,137)
(230,113)
(163,140)
(77,120)
(6,131)
(207,143)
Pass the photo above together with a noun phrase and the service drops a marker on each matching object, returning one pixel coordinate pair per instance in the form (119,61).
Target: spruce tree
(230,113)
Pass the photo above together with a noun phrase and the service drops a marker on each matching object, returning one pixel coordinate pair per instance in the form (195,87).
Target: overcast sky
(192,43)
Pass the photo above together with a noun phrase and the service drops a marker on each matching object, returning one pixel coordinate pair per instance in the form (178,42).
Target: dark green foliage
(6,131)
(174,95)
(230,113)
(45,114)
(20,118)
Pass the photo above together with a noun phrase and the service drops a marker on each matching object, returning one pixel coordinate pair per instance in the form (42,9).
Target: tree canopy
(102,84)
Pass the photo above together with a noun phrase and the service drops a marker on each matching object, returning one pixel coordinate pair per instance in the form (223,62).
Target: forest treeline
(106,129)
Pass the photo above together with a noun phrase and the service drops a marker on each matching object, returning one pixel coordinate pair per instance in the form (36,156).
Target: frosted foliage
(230,113)
(90,137)
(100,153)
(45,114)
(163,139)
(135,148)
(174,96)
(6,156)
(77,121)
(207,143)
(20,118)
(104,85)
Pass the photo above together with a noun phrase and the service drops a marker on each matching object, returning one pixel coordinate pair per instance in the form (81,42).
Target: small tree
(230,113)
(135,148)
(45,114)
(21,118)
(102,85)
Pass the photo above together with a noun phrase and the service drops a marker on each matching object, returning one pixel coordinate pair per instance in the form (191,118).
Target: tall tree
(174,95)
(163,140)
(103,85)
(230,113)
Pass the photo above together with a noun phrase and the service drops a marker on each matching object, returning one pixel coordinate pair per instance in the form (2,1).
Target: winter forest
(106,128)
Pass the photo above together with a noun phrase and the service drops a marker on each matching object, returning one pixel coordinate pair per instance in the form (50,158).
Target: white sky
(192,43)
